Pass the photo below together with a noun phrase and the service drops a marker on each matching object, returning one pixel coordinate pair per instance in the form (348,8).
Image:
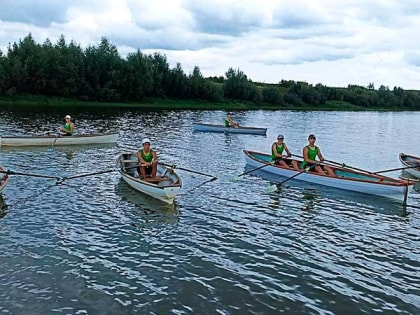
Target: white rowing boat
(58,140)
(222,128)
(164,187)
(412,163)
(363,182)
(4,179)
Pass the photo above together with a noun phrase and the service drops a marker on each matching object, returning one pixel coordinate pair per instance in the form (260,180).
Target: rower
(148,160)
(68,127)
(310,153)
(279,158)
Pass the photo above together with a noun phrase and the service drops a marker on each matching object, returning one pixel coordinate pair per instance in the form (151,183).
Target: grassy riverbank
(43,102)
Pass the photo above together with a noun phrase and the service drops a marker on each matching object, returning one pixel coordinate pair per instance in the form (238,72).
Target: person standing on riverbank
(68,127)
(310,153)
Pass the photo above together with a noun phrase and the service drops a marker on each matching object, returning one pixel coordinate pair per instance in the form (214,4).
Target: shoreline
(41,101)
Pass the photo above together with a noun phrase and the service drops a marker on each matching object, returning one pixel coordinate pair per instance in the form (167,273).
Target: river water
(92,245)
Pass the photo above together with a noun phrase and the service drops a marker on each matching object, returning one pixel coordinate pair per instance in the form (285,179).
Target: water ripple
(92,245)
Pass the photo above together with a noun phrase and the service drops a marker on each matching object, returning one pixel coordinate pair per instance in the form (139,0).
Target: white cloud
(332,42)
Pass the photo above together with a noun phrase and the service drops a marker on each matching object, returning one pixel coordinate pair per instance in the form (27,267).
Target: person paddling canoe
(148,160)
(278,157)
(68,127)
(310,153)
(229,121)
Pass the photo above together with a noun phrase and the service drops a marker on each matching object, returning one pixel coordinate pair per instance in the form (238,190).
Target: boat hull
(409,161)
(165,191)
(54,140)
(221,128)
(4,179)
(346,179)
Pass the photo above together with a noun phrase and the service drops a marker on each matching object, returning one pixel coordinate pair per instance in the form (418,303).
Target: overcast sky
(333,42)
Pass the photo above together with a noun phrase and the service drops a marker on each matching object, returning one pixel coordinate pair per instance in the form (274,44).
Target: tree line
(99,73)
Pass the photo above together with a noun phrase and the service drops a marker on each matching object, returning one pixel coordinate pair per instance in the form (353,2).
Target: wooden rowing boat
(222,128)
(164,187)
(363,182)
(57,140)
(4,179)
(412,163)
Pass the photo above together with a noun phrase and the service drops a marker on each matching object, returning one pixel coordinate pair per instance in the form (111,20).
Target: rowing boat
(57,140)
(363,182)
(222,128)
(412,163)
(164,187)
(4,179)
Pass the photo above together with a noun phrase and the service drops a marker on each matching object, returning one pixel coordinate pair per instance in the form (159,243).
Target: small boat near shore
(412,163)
(347,179)
(223,128)
(164,187)
(59,140)
(4,178)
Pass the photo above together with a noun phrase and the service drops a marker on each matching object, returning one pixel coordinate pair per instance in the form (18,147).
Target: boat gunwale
(123,172)
(405,163)
(178,183)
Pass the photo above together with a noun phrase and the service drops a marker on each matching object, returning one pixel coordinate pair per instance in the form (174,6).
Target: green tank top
(67,127)
(149,157)
(227,122)
(312,154)
(279,149)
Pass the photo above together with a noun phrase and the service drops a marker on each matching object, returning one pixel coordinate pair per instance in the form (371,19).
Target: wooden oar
(397,169)
(306,169)
(55,139)
(342,165)
(189,170)
(255,169)
(9,172)
(88,174)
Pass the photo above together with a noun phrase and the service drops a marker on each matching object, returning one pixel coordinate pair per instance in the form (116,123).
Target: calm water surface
(94,246)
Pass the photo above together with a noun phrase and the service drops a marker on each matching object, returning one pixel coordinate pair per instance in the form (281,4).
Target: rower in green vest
(279,158)
(310,153)
(229,121)
(68,127)
(148,160)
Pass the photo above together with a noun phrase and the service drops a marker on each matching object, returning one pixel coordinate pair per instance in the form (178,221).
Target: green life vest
(228,121)
(67,127)
(279,149)
(312,154)
(149,157)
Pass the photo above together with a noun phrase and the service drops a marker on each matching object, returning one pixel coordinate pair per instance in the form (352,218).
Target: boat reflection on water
(3,207)
(150,210)
(312,195)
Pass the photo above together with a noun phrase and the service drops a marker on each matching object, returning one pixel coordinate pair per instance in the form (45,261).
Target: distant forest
(99,73)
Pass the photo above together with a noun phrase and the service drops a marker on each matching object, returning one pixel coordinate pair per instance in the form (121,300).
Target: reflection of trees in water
(148,209)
